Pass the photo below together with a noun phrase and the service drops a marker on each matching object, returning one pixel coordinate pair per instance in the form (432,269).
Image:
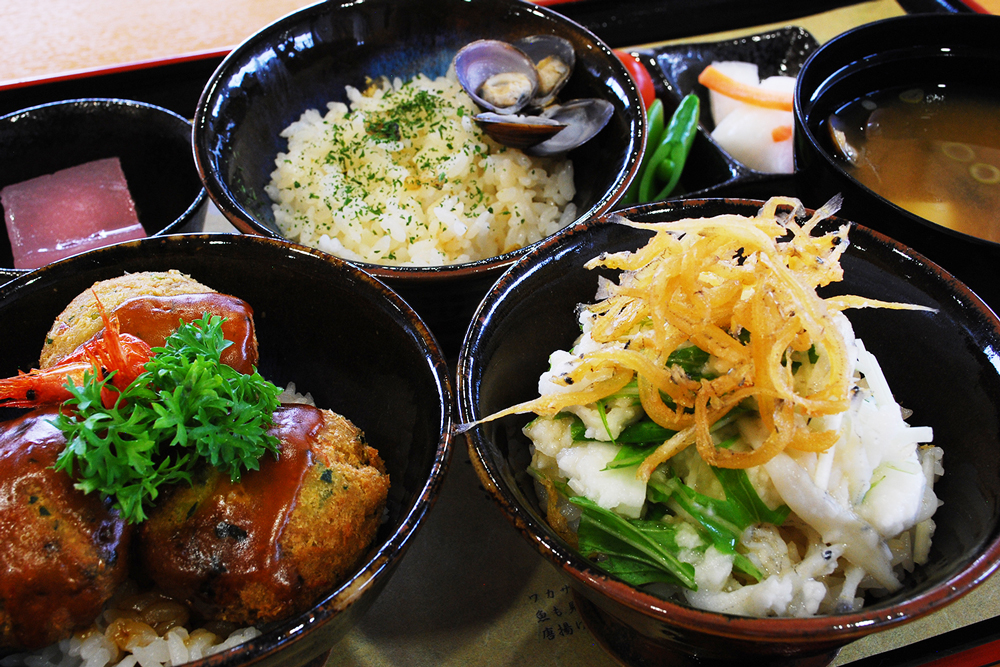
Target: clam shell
(584,119)
(554,58)
(518,131)
(481,64)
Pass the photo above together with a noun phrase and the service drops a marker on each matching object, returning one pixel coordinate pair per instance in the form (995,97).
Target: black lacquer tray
(635,25)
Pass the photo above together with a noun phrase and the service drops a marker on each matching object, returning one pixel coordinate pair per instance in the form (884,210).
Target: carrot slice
(781,133)
(715,80)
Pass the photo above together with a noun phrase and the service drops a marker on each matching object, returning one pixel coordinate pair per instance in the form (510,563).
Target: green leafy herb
(645,432)
(691,359)
(604,420)
(382,129)
(640,439)
(578,430)
(741,492)
(631,455)
(636,551)
(721,521)
(813,354)
(185,410)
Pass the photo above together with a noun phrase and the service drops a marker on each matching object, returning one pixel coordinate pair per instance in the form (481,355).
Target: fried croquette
(81,320)
(64,553)
(275,543)
(149,305)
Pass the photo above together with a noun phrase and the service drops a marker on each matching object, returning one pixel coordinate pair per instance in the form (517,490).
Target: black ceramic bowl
(939,364)
(323,324)
(304,61)
(154,145)
(948,50)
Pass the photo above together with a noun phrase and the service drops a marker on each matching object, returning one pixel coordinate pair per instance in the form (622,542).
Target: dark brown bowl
(305,59)
(941,365)
(153,143)
(323,324)
(915,50)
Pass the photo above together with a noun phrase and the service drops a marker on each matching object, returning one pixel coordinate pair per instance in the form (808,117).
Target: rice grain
(405,176)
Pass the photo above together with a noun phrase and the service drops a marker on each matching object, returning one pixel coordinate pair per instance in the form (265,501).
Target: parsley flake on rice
(405,176)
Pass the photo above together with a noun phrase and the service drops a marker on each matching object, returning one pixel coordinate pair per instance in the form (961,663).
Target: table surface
(44,38)
(486,597)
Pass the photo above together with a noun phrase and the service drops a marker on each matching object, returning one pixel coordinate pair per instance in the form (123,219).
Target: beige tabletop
(470,590)
(41,38)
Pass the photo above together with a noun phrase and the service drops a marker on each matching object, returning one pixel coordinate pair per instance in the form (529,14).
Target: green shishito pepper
(667,160)
(654,132)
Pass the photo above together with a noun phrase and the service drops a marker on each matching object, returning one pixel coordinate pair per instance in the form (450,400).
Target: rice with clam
(406,176)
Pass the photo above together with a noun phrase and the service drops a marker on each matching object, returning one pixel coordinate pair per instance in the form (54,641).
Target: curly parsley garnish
(187,409)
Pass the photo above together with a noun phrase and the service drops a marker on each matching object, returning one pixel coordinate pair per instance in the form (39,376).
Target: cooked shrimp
(120,354)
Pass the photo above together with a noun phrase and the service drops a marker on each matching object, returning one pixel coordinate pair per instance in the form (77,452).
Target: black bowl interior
(154,146)
(306,59)
(940,365)
(321,323)
(920,51)
(676,67)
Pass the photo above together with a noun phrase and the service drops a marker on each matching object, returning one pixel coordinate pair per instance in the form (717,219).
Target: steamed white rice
(405,176)
(133,643)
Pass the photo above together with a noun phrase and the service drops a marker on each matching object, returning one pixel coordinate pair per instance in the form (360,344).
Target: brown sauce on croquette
(60,559)
(235,528)
(153,318)
(265,500)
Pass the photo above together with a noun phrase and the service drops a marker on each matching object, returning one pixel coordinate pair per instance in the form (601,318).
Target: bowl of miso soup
(902,117)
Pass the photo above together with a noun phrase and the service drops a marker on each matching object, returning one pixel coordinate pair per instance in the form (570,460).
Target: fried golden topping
(742,289)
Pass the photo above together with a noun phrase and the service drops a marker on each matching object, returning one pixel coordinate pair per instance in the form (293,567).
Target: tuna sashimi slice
(73,210)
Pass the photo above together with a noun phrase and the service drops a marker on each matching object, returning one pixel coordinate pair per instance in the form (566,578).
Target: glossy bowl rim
(838,628)
(220,194)
(802,103)
(114,103)
(379,562)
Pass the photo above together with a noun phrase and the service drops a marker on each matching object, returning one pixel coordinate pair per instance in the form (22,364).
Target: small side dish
(219,501)
(70,211)
(805,487)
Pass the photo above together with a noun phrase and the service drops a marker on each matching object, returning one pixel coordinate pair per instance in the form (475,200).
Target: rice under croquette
(272,545)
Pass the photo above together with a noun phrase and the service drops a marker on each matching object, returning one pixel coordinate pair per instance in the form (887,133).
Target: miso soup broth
(933,151)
